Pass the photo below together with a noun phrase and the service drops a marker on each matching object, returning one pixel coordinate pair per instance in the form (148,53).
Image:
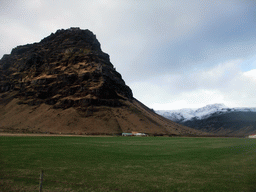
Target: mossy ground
(128,164)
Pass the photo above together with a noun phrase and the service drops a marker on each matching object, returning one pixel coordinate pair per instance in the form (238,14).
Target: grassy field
(127,164)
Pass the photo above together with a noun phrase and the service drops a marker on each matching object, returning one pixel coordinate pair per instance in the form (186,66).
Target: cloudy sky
(173,54)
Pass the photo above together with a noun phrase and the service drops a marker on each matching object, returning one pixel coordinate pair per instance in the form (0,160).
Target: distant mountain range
(217,118)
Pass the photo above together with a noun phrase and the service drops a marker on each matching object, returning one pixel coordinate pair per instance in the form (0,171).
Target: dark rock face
(66,69)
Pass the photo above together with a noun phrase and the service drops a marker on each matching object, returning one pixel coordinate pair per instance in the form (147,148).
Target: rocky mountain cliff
(217,118)
(65,69)
(65,83)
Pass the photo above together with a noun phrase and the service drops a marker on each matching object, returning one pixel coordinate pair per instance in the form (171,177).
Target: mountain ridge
(186,114)
(216,118)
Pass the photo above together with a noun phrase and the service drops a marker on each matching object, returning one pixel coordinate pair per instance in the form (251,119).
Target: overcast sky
(173,54)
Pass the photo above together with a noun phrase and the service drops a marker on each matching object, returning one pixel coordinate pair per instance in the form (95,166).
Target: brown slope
(66,84)
(132,116)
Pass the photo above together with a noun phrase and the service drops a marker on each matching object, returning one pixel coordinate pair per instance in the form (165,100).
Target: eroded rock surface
(66,69)
(65,84)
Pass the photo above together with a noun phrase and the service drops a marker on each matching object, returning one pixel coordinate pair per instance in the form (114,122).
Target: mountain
(216,118)
(67,84)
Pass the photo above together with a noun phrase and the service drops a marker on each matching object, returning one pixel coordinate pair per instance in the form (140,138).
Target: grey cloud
(146,40)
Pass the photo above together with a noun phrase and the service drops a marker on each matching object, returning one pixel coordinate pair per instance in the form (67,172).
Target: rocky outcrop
(66,69)
(66,84)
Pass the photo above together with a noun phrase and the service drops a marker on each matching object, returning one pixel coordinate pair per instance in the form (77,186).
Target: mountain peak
(63,39)
(75,37)
(210,108)
(66,83)
(64,69)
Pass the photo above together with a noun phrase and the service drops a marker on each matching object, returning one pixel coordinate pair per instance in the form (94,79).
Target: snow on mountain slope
(183,115)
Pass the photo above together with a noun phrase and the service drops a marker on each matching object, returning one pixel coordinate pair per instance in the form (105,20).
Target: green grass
(127,164)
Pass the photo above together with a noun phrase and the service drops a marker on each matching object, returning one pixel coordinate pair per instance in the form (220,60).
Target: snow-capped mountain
(183,115)
(217,119)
